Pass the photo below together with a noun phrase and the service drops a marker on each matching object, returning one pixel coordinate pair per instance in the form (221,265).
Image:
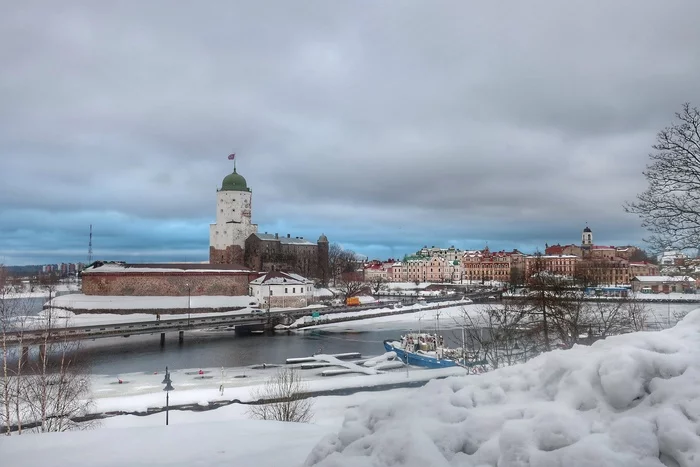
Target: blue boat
(426,350)
(416,358)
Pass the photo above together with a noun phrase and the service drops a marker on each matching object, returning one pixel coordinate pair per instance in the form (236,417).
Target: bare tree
(45,394)
(500,334)
(670,206)
(4,330)
(517,277)
(350,284)
(378,284)
(14,308)
(57,389)
(640,255)
(340,261)
(283,397)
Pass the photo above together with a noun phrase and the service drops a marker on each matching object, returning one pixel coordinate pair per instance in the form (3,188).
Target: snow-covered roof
(276,277)
(107,302)
(156,268)
(663,279)
(284,240)
(553,256)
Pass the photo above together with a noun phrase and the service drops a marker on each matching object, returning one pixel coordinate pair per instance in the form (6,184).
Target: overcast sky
(386,125)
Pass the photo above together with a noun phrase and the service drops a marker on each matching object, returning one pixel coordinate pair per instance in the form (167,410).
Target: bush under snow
(631,400)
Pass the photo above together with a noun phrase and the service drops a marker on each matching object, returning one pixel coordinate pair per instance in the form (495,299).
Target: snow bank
(627,400)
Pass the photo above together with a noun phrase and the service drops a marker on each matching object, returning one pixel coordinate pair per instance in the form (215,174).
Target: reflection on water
(205,350)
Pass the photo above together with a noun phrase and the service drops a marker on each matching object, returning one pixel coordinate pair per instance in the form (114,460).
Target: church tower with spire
(233,221)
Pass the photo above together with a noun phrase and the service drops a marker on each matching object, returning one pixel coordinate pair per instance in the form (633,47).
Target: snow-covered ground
(387,310)
(669,296)
(140,391)
(42,292)
(630,400)
(221,437)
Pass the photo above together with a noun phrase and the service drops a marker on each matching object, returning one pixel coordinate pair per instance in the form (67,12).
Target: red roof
(554,250)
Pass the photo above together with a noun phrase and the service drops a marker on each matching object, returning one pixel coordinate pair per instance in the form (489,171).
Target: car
(256,310)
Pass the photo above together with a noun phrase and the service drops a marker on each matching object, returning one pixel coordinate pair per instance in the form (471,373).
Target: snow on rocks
(626,400)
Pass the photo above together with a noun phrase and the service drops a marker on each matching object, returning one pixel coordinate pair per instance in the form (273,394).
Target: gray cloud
(386,125)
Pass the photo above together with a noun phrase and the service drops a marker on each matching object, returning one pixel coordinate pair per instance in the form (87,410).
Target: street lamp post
(189,304)
(168,387)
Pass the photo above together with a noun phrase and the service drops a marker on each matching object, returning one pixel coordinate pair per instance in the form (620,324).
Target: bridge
(240,322)
(41,335)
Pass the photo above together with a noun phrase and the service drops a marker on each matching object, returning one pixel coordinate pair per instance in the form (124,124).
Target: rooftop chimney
(276,236)
(289,236)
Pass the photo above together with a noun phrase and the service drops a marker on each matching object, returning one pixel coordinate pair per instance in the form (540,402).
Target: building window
(285,290)
(302,290)
(271,294)
(294,290)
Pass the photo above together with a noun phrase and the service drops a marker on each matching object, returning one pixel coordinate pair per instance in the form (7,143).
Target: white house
(670,258)
(282,290)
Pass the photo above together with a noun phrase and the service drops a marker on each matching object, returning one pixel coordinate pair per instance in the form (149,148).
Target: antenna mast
(90,247)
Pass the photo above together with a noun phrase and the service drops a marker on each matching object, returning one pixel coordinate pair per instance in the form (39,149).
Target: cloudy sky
(386,125)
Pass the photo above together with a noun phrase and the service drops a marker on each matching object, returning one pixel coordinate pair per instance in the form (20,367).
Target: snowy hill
(631,400)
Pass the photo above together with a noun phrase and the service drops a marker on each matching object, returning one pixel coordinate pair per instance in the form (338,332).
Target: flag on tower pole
(232,156)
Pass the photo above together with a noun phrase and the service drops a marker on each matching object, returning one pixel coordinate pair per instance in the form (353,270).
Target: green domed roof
(234,182)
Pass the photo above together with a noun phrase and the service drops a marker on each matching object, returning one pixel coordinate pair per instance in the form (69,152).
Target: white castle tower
(233,221)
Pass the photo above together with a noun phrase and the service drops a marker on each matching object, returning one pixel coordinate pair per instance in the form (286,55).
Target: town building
(282,290)
(643,268)
(663,284)
(485,265)
(601,264)
(234,239)
(672,258)
(376,270)
(562,265)
(448,254)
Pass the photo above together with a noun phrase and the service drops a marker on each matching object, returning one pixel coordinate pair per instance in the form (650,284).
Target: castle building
(233,221)
(234,239)
(272,252)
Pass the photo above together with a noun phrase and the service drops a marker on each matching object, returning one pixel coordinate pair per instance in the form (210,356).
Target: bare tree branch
(670,206)
(283,398)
